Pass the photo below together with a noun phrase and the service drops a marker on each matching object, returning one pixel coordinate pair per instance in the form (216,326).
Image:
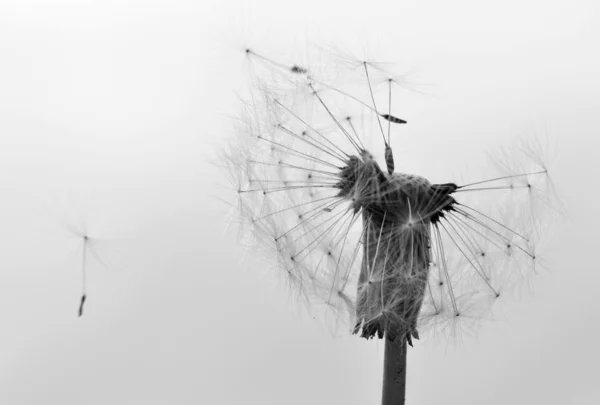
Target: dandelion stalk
(394,373)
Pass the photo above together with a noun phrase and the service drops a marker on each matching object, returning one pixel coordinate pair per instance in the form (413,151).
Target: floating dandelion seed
(391,254)
(93,246)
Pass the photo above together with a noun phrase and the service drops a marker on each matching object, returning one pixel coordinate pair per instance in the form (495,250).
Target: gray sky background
(109,112)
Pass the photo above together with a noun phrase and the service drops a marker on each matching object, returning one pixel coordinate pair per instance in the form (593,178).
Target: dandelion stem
(394,372)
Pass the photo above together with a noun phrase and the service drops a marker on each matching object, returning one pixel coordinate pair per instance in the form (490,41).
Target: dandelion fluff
(389,253)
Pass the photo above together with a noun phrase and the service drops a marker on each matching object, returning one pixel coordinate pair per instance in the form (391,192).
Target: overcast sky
(109,114)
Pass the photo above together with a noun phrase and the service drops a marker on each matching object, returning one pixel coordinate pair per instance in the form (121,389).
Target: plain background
(109,113)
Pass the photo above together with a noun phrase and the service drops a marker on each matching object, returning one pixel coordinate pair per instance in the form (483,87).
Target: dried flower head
(390,253)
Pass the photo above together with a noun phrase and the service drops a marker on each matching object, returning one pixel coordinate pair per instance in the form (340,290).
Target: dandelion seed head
(382,252)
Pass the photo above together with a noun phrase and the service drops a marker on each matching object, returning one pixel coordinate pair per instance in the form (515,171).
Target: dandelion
(390,254)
